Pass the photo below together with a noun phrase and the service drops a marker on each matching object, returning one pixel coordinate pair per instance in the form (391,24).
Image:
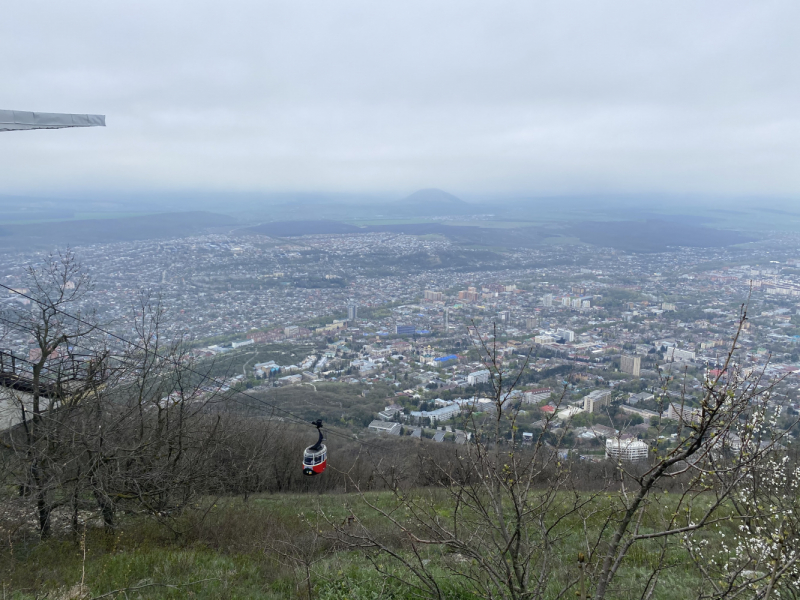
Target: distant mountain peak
(433,195)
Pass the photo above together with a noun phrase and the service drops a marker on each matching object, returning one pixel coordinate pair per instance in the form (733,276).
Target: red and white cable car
(315,458)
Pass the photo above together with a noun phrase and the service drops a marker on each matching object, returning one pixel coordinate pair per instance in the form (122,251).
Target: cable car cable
(100,329)
(205,377)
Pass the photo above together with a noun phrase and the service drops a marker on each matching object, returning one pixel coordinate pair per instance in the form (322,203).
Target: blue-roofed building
(445,360)
(448,357)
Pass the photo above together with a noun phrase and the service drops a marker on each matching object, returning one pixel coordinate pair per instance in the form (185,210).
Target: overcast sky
(482,97)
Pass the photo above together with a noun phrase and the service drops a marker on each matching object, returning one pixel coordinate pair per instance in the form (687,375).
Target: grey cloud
(534,97)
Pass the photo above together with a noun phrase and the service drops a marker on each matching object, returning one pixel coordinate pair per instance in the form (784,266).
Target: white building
(242,343)
(478,377)
(385,427)
(677,412)
(634,399)
(476,404)
(536,395)
(365,365)
(677,354)
(440,414)
(569,412)
(567,334)
(627,450)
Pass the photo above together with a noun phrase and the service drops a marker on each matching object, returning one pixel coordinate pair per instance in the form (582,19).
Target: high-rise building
(404,329)
(352,312)
(505,316)
(596,400)
(630,364)
(433,296)
(531,322)
(565,301)
(547,300)
(447,319)
(470,295)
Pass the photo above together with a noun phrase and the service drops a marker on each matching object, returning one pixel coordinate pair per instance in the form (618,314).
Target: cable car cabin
(314,463)
(315,458)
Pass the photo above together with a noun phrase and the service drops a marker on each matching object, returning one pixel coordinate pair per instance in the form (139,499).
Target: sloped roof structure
(18,120)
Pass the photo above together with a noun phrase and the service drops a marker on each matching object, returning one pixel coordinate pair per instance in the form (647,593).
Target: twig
(146,585)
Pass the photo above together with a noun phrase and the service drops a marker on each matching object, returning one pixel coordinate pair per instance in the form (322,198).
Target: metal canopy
(17,120)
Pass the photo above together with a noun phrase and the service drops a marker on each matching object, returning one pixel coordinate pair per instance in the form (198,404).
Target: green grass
(230,552)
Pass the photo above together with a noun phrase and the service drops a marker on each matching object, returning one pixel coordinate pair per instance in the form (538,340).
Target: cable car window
(309,460)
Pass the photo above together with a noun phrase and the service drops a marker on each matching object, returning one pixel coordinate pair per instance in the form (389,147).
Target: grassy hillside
(268,547)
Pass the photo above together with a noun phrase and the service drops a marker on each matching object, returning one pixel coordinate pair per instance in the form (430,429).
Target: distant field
(433,237)
(22,219)
(560,241)
(492,224)
(466,223)
(649,235)
(110,215)
(366,222)
(106,229)
(644,235)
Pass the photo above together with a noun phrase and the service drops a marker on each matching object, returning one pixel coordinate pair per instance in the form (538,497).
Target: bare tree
(497,505)
(506,513)
(52,386)
(154,436)
(138,425)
